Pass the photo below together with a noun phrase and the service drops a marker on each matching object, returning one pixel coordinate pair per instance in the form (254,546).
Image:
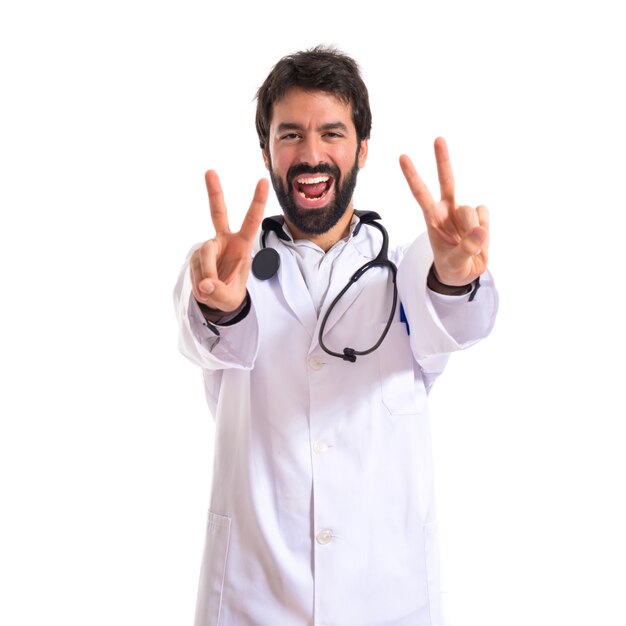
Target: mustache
(305,168)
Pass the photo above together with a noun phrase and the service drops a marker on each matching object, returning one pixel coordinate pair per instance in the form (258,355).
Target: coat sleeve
(235,346)
(441,324)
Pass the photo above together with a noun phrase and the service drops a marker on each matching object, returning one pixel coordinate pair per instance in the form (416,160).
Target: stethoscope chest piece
(265,263)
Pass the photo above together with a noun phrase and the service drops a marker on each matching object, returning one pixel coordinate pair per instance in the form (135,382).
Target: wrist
(435,284)
(217,316)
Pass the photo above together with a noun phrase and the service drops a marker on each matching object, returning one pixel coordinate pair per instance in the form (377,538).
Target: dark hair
(320,69)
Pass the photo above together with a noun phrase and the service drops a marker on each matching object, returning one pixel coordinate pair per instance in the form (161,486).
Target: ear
(363,152)
(266,158)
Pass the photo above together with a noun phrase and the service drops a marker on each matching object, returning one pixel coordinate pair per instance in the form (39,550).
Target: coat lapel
(295,290)
(350,261)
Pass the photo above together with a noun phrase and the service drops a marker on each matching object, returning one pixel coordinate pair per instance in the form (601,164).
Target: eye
(289,137)
(334,136)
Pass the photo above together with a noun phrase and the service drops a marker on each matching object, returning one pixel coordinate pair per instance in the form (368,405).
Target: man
(322,502)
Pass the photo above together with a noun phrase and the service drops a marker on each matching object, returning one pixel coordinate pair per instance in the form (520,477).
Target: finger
(219,215)
(417,186)
(200,287)
(465,219)
(483,216)
(444,171)
(208,267)
(227,295)
(193,273)
(252,220)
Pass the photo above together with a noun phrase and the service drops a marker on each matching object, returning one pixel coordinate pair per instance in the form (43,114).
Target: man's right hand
(220,267)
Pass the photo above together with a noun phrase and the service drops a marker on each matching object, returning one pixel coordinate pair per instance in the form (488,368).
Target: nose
(311,150)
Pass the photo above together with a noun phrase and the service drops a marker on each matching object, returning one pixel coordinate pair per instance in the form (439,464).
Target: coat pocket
(212,572)
(400,390)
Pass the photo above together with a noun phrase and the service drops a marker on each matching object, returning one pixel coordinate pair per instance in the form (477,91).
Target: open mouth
(313,189)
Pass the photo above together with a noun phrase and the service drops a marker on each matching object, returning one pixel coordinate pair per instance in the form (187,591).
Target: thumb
(206,286)
(472,244)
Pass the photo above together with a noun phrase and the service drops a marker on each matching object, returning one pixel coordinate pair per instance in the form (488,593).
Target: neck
(328,239)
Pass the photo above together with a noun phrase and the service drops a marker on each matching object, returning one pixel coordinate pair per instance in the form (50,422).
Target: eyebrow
(284,126)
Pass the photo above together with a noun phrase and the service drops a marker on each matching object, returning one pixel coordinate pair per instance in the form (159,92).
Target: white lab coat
(322,501)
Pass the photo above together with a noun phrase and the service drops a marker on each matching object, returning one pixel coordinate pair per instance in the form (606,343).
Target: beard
(322,219)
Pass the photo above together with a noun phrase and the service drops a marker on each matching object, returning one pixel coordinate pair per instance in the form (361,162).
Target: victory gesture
(459,235)
(220,267)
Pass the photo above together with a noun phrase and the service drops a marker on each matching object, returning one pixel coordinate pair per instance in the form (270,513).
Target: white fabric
(315,265)
(322,505)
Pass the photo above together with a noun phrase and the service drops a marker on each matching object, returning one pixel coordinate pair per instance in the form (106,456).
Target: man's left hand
(459,234)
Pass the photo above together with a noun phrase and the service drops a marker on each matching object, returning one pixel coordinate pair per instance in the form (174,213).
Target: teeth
(313,181)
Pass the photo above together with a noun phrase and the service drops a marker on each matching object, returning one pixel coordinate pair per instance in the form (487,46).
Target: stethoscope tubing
(267,261)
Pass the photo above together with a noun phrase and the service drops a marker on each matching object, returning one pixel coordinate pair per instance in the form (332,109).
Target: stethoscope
(267,261)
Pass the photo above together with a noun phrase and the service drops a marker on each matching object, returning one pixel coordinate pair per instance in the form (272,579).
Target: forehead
(304,107)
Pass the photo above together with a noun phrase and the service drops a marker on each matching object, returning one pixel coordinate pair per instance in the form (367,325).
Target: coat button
(319,447)
(324,537)
(316,363)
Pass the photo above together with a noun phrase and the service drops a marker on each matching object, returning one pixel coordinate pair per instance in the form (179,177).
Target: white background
(110,114)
